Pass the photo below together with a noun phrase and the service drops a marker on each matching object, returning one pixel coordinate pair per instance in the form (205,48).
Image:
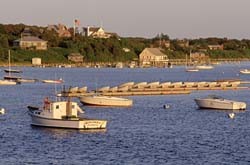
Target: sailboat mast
(9,61)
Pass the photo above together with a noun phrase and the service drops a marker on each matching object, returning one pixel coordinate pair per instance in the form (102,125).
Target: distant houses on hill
(97,32)
(61,30)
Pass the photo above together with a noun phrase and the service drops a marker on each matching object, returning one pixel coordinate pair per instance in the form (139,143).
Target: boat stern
(92,124)
(239,105)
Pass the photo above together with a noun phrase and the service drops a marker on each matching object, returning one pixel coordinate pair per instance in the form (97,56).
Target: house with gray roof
(31,42)
(153,57)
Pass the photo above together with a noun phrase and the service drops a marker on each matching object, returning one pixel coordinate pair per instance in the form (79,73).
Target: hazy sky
(138,18)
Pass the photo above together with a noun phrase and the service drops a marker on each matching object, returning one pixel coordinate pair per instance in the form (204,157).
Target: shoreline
(175,62)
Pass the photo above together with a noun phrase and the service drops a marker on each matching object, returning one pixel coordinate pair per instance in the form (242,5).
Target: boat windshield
(214,97)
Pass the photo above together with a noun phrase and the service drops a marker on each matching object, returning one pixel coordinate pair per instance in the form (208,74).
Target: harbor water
(146,133)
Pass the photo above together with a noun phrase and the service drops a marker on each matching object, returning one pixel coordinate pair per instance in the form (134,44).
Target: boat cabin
(60,110)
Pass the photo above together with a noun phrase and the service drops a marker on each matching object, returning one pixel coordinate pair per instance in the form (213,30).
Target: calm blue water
(143,134)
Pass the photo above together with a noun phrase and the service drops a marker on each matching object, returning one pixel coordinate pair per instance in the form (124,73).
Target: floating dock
(156,88)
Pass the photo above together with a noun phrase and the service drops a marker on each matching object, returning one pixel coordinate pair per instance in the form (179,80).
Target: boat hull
(106,101)
(220,104)
(204,67)
(7,82)
(68,123)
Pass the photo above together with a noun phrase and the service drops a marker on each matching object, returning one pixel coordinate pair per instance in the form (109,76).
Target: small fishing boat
(216,102)
(62,114)
(105,101)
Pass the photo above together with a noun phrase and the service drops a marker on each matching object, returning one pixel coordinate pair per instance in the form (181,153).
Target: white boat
(202,84)
(27,80)
(73,89)
(103,89)
(113,89)
(7,82)
(245,71)
(192,69)
(215,102)
(204,67)
(165,84)
(190,84)
(127,84)
(123,89)
(176,84)
(59,81)
(153,84)
(105,101)
(188,68)
(62,114)
(82,89)
(140,85)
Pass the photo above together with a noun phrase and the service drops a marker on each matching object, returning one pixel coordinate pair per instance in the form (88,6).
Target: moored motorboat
(103,89)
(140,85)
(204,67)
(192,70)
(215,102)
(82,89)
(12,78)
(27,80)
(62,114)
(12,71)
(59,81)
(105,101)
(7,82)
(245,71)
(127,84)
(73,89)
(153,84)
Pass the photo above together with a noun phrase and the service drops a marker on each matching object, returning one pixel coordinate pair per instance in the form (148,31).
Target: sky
(138,18)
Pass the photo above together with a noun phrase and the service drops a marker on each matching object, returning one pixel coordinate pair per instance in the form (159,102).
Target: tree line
(112,49)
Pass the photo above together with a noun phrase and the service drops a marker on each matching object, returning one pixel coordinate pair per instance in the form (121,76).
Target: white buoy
(231,115)
(2,111)
(166,106)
